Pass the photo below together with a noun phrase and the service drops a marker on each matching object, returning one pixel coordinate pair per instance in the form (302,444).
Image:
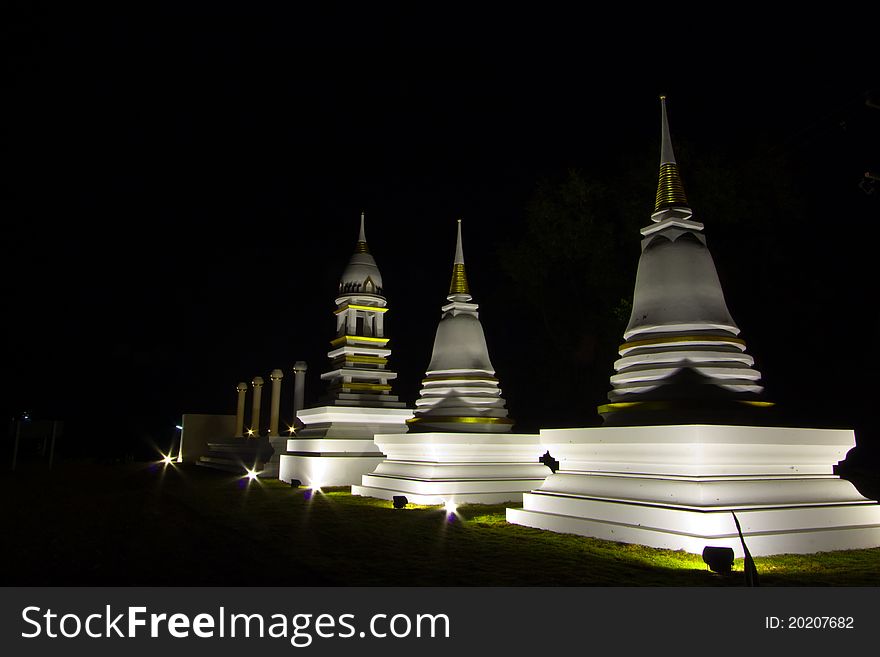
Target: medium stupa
(358,375)
(336,446)
(459,448)
(460,391)
(682,463)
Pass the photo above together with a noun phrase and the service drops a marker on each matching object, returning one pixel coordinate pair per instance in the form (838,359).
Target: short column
(255,412)
(239,411)
(275,405)
(299,388)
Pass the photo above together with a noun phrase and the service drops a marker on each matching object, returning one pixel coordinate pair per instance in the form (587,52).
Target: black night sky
(183,190)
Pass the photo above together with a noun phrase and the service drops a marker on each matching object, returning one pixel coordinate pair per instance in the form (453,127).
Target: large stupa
(335,446)
(682,357)
(459,448)
(684,453)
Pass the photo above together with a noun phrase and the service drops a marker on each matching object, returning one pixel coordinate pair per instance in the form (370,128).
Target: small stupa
(335,446)
(359,374)
(459,448)
(679,463)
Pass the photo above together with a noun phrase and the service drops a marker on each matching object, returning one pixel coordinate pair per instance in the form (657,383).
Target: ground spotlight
(252,474)
(719,559)
(451,508)
(167,460)
(399,501)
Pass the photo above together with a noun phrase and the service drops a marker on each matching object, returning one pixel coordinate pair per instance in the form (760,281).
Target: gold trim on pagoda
(459,283)
(670,192)
(440,419)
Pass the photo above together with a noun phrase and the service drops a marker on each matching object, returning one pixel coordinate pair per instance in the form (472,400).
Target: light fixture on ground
(399,501)
(252,474)
(451,507)
(719,559)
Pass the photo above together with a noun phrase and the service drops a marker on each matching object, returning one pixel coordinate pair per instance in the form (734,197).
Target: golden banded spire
(459,282)
(670,192)
(361,246)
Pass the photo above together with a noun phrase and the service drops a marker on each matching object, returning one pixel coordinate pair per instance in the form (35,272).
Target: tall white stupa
(683,451)
(336,446)
(459,449)
(682,357)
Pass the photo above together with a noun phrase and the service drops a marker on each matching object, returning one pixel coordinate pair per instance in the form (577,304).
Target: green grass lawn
(135,524)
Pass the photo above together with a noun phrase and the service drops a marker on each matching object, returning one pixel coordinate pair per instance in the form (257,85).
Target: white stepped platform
(464,468)
(675,487)
(335,448)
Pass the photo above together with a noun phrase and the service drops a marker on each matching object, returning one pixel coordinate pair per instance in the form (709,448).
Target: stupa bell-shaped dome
(460,344)
(361,275)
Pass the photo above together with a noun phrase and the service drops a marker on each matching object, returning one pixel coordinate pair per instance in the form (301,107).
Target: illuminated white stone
(336,446)
(437,468)
(675,487)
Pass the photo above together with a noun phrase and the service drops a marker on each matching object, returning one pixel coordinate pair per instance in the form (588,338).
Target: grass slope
(90,524)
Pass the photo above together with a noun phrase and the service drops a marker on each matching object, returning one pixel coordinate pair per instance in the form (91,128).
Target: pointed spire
(667,156)
(361,246)
(670,193)
(459,283)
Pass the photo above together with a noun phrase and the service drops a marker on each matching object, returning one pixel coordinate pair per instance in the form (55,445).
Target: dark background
(183,189)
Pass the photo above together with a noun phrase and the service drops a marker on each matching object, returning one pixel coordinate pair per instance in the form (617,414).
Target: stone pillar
(255,413)
(275,406)
(239,411)
(299,388)
(380,325)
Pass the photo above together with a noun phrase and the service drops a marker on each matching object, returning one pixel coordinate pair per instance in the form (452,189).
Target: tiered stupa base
(336,446)
(675,487)
(463,468)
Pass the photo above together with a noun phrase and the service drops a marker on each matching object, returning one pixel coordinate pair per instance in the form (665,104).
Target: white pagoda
(684,449)
(459,449)
(335,446)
